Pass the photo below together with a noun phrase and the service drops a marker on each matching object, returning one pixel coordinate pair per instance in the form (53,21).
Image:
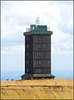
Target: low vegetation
(38,89)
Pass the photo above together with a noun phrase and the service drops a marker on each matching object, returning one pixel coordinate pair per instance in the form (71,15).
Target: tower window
(37,62)
(39,53)
(36,70)
(27,53)
(27,38)
(27,61)
(27,45)
(39,38)
(39,46)
(27,69)
(39,70)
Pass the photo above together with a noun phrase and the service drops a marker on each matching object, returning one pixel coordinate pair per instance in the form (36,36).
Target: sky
(16,16)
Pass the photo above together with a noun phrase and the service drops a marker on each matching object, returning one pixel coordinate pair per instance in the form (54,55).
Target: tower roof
(37,30)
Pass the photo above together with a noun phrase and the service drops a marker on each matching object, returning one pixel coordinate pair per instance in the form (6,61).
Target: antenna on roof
(37,21)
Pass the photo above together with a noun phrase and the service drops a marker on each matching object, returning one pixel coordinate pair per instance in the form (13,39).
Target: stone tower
(37,52)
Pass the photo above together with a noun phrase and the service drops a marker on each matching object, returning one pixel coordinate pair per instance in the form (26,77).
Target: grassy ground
(37,89)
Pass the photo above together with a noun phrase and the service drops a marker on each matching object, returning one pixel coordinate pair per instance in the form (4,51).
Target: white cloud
(12,31)
(4,52)
(57,50)
(62,43)
(17,16)
(19,49)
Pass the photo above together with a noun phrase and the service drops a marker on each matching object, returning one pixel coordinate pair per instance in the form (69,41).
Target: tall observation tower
(37,52)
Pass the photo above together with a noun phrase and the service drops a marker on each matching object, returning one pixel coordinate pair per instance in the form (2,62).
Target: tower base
(37,76)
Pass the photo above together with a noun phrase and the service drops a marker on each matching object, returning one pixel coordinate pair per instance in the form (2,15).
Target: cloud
(12,31)
(17,16)
(62,42)
(19,49)
(57,50)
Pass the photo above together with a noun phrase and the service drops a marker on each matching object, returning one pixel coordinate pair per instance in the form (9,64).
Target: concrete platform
(36,76)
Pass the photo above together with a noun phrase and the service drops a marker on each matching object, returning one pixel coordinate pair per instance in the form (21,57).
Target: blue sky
(16,16)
